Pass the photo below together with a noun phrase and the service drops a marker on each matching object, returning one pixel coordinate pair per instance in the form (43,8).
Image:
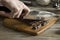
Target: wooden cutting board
(22,26)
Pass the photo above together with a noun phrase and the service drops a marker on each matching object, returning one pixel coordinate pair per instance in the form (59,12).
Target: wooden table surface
(52,33)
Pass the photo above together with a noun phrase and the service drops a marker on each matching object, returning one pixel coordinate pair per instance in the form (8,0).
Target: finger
(14,12)
(2,13)
(5,14)
(15,15)
(20,12)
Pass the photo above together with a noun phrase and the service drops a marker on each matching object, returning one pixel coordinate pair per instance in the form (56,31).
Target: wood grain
(21,26)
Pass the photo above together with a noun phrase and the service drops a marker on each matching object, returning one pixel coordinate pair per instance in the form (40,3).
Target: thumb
(2,13)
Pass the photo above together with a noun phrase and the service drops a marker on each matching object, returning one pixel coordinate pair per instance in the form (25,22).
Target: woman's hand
(18,8)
